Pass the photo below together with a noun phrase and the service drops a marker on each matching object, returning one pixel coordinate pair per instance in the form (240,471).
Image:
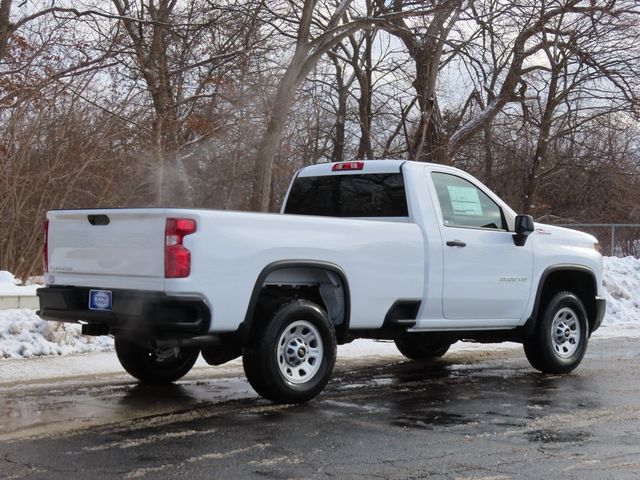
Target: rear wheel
(160,365)
(417,347)
(560,339)
(291,358)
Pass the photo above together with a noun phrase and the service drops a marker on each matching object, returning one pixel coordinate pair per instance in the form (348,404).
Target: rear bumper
(141,312)
(601,306)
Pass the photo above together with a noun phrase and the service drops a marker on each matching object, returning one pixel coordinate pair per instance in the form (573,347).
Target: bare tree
(317,28)
(308,50)
(425,39)
(166,45)
(343,85)
(505,45)
(366,80)
(579,67)
(58,152)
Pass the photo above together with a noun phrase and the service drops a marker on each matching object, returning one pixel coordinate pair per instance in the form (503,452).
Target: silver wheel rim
(299,353)
(565,332)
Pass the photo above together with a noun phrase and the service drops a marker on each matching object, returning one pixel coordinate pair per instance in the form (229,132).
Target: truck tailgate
(107,243)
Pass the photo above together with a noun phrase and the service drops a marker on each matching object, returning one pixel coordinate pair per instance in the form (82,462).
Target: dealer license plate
(100,300)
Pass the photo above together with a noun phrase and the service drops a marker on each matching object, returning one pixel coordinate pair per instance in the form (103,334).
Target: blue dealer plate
(100,300)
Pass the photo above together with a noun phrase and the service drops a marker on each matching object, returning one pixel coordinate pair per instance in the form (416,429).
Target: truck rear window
(360,195)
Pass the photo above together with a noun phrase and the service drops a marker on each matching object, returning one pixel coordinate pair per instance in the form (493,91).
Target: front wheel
(160,365)
(561,335)
(291,358)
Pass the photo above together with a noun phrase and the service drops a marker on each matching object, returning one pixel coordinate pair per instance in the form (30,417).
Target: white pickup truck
(421,254)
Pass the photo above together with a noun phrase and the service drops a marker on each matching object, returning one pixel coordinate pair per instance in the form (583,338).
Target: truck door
(485,275)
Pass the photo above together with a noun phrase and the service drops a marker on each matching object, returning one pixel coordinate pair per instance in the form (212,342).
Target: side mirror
(524,227)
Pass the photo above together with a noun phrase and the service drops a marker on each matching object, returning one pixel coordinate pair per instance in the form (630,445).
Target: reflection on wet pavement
(49,410)
(468,416)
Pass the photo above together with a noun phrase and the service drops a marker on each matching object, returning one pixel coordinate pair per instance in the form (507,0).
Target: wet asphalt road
(472,415)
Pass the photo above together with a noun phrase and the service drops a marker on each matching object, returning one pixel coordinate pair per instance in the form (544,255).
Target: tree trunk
(337,154)
(275,127)
(429,141)
(487,144)
(365,149)
(5,26)
(542,144)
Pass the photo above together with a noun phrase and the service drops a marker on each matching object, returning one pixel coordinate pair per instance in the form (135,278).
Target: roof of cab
(369,166)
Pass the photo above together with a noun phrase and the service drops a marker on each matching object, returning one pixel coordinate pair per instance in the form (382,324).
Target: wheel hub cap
(565,332)
(299,352)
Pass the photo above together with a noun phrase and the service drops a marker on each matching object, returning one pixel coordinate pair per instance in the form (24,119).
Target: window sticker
(464,201)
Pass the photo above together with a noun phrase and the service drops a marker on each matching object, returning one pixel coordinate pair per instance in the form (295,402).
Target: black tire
(273,372)
(561,335)
(155,366)
(417,347)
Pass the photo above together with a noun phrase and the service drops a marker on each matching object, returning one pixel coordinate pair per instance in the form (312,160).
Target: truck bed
(383,261)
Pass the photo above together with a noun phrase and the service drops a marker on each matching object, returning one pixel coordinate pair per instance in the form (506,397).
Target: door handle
(456,243)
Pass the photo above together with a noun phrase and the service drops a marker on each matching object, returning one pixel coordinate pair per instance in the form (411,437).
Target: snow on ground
(621,280)
(24,335)
(9,286)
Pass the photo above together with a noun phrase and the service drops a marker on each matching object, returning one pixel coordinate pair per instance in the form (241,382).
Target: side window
(465,205)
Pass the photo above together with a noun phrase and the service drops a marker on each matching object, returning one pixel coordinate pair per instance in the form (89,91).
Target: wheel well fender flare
(530,325)
(246,324)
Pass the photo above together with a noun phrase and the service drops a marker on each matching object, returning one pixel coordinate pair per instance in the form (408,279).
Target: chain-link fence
(616,239)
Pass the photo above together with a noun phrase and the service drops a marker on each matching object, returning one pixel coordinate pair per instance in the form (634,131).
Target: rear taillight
(177,259)
(338,167)
(45,247)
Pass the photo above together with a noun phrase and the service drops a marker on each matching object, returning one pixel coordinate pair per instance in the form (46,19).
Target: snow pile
(23,334)
(621,280)
(9,286)
(7,278)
